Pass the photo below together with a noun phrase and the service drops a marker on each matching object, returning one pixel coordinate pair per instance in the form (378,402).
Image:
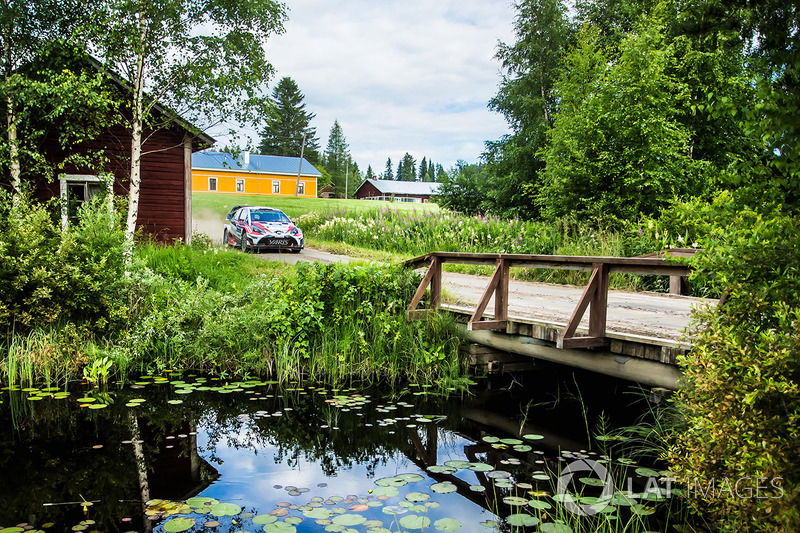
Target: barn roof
(264,164)
(420,188)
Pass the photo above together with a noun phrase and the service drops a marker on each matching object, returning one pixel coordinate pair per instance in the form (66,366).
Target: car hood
(278,228)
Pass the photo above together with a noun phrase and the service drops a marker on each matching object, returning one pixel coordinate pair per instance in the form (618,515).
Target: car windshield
(269,216)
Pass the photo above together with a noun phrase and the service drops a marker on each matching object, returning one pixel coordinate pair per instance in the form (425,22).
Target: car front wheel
(225,239)
(244,242)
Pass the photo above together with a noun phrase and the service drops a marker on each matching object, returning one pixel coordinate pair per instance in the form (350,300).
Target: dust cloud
(209,223)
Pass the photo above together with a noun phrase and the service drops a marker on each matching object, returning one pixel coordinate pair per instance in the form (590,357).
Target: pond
(183,452)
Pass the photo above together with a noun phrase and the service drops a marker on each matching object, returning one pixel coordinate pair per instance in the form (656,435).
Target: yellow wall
(260,184)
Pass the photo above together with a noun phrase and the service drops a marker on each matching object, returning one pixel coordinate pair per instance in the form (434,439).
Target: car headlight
(295,231)
(256,230)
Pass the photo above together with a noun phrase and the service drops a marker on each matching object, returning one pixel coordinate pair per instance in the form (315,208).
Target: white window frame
(240,181)
(301,188)
(276,185)
(216,184)
(64,179)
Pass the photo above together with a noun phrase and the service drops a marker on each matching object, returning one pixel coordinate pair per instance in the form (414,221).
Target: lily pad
(550,527)
(225,509)
(413,521)
(592,481)
(385,491)
(522,520)
(514,500)
(443,488)
(442,469)
(179,524)
(349,520)
(417,496)
(393,481)
(264,519)
(646,472)
(533,436)
(447,524)
(480,467)
(280,527)
(201,502)
(539,504)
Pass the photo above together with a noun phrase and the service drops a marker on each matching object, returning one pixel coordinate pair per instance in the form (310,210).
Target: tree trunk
(136,149)
(13,151)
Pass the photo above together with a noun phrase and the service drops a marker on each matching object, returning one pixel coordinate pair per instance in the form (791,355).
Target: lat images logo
(584,470)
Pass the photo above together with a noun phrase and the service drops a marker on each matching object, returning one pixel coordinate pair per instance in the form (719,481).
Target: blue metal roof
(267,164)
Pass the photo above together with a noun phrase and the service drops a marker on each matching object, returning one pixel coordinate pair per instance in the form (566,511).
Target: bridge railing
(594,297)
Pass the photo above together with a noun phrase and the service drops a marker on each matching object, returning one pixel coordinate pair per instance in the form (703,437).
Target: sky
(399,75)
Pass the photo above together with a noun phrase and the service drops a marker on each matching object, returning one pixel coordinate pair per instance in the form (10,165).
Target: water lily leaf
(410,478)
(447,524)
(413,521)
(442,469)
(175,402)
(293,520)
(480,467)
(477,488)
(385,491)
(642,509)
(533,436)
(592,481)
(417,496)
(514,500)
(211,523)
(349,519)
(499,474)
(490,439)
(179,524)
(264,519)
(98,406)
(393,481)
(522,520)
(318,513)
(280,527)
(647,472)
(457,464)
(201,502)
(522,448)
(539,504)
(443,488)
(491,524)
(358,507)
(87,399)
(511,442)
(225,509)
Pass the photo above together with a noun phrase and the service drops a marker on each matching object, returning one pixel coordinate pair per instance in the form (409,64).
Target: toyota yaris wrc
(261,228)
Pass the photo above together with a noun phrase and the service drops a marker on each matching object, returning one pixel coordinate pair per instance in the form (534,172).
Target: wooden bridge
(635,336)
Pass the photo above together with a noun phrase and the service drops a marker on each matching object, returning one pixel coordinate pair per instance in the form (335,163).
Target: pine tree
(423,169)
(388,174)
(407,170)
(336,157)
(370,174)
(283,134)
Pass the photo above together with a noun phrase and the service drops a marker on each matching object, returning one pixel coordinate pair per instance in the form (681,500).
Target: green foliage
(283,134)
(741,391)
(464,189)
(332,322)
(47,274)
(337,157)
(617,149)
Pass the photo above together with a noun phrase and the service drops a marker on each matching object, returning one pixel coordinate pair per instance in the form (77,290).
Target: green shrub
(46,274)
(741,391)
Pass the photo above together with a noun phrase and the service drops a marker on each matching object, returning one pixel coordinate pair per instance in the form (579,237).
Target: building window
(212,184)
(240,185)
(78,188)
(276,187)
(301,188)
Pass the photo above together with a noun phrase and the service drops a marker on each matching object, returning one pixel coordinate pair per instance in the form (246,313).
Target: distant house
(397,191)
(165,198)
(327,191)
(265,175)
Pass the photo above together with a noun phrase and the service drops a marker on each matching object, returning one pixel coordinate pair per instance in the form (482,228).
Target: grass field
(209,209)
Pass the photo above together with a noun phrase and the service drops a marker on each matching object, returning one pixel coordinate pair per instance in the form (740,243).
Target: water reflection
(270,450)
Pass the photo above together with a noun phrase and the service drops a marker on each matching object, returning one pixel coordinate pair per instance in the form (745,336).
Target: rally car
(261,228)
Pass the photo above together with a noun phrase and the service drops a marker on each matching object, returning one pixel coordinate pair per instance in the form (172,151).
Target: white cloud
(400,76)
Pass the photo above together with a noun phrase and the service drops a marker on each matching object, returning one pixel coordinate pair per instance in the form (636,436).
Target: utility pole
(300,165)
(346,175)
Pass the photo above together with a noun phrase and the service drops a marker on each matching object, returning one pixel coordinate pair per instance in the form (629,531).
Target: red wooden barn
(165,202)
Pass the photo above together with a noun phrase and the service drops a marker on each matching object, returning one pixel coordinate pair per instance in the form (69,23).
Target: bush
(741,391)
(46,274)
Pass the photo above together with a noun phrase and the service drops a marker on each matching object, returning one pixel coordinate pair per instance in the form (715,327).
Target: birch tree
(204,60)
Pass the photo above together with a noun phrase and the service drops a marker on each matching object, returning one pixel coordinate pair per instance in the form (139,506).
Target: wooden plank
(501,294)
(436,283)
(599,306)
(487,294)
(426,280)
(583,303)
(487,325)
(582,342)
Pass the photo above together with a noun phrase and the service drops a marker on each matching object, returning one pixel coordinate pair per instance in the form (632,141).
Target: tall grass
(412,233)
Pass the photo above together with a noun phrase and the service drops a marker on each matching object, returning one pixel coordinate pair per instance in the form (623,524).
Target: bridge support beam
(603,362)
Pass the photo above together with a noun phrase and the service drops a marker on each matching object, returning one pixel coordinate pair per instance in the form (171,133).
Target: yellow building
(266,175)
